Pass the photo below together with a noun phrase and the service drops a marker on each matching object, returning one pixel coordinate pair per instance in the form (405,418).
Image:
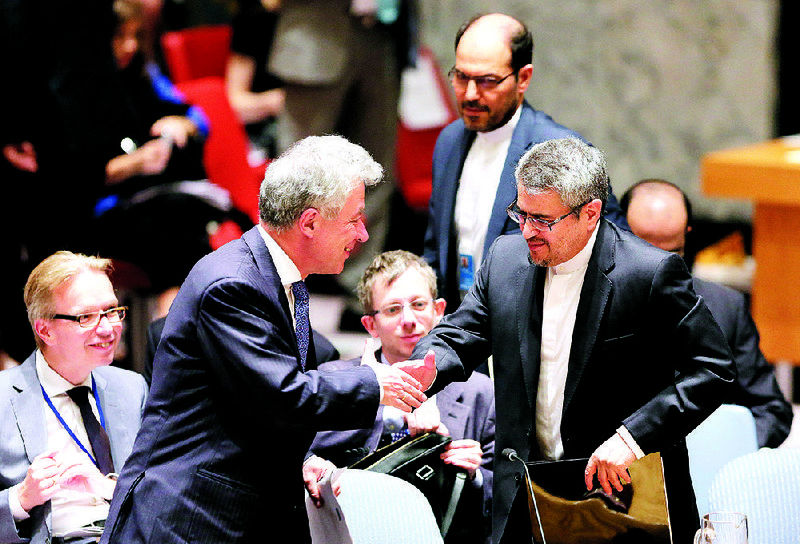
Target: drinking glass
(722,528)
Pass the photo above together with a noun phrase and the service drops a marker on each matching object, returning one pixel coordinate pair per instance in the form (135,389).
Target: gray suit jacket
(23,433)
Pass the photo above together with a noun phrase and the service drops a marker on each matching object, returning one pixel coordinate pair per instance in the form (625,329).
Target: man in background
(399,297)
(69,419)
(475,156)
(660,213)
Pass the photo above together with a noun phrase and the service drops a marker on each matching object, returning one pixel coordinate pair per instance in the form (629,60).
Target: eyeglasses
(520,217)
(91,320)
(394,310)
(484,83)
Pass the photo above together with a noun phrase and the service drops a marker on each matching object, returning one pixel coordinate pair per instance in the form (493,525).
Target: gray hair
(315,172)
(573,169)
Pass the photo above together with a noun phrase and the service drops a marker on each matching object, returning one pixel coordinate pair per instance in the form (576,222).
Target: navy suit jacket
(756,386)
(646,353)
(231,415)
(449,155)
(23,429)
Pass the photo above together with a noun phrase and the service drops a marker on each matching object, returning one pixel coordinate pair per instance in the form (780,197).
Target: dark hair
(625,201)
(521,43)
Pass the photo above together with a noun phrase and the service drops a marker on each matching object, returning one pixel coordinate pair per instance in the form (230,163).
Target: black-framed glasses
(92,319)
(520,217)
(486,82)
(394,310)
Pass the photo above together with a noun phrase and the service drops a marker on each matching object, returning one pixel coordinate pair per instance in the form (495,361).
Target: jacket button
(518,477)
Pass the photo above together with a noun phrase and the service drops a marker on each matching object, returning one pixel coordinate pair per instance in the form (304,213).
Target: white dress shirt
(287,270)
(477,188)
(562,292)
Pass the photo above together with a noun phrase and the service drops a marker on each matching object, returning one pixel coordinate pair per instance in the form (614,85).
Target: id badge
(466,272)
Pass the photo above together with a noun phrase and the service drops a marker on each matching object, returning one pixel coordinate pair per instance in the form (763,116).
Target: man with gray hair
(601,348)
(236,397)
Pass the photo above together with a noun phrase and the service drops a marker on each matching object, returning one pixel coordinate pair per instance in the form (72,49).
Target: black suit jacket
(756,386)
(231,416)
(646,353)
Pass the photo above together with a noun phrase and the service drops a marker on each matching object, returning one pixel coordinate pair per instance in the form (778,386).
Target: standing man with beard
(475,156)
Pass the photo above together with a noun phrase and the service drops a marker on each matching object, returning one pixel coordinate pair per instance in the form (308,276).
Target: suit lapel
(28,405)
(529,310)
(452,410)
(521,141)
(591,308)
(273,284)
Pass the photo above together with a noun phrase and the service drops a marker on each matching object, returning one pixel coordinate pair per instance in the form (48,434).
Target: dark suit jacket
(646,353)
(466,409)
(449,155)
(322,346)
(756,386)
(231,415)
(23,427)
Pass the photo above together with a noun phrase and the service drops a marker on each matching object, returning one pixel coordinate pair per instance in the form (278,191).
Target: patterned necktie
(302,323)
(97,435)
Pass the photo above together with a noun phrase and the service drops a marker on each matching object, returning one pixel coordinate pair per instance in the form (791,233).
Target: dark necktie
(302,323)
(97,435)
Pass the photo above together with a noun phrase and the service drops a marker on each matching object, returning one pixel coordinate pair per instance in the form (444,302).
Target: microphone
(512,456)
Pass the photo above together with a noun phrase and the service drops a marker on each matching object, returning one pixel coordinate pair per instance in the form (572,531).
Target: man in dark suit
(399,297)
(236,398)
(57,460)
(660,213)
(601,348)
(475,156)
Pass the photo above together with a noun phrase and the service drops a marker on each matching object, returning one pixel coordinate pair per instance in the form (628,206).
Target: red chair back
(197,52)
(226,148)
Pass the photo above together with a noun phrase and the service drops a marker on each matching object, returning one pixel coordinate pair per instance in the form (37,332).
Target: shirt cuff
(630,442)
(13,504)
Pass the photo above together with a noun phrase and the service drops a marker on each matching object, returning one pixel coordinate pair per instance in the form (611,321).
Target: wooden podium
(768,174)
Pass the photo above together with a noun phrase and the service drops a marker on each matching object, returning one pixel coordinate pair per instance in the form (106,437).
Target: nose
(471,90)
(363,235)
(408,314)
(104,326)
(528,229)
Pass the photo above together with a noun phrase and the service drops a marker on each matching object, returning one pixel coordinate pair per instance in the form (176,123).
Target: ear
(593,211)
(369,323)
(44,331)
(438,309)
(309,222)
(524,77)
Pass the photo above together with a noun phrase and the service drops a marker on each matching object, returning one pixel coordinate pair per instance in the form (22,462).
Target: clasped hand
(52,471)
(402,384)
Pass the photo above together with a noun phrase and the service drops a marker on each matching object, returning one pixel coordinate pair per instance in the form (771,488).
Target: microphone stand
(512,456)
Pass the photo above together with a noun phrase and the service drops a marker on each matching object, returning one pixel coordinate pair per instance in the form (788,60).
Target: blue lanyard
(66,427)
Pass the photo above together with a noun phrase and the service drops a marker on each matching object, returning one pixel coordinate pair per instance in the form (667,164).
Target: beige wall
(655,84)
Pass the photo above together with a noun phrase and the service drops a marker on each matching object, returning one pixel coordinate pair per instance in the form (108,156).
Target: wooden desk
(769,175)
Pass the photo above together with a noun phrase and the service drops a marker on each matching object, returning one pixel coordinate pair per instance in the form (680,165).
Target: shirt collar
(501,133)
(52,382)
(581,260)
(287,270)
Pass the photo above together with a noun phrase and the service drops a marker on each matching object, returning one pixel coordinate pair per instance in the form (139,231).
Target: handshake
(403,385)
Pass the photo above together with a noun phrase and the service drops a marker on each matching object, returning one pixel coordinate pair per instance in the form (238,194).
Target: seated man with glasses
(68,419)
(475,156)
(398,294)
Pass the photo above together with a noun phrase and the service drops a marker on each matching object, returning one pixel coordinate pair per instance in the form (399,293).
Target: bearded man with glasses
(601,348)
(69,419)
(474,158)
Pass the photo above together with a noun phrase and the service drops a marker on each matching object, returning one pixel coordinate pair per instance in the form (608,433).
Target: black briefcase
(416,460)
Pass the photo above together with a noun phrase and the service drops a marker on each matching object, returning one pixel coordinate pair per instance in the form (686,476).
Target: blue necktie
(302,323)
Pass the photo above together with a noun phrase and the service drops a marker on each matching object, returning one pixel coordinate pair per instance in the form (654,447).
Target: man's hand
(41,481)
(610,462)
(425,419)
(398,388)
(79,475)
(423,371)
(466,454)
(314,470)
